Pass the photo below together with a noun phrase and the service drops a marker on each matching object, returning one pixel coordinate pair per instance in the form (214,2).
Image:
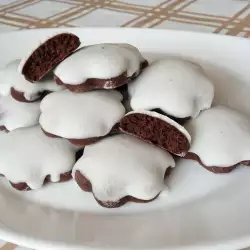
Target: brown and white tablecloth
(231,17)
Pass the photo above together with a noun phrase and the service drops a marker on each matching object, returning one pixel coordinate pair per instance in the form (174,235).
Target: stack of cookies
(102,115)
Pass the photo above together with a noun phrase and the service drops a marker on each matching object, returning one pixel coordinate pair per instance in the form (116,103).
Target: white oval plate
(201,211)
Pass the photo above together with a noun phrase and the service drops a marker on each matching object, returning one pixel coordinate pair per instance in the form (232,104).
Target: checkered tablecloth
(231,17)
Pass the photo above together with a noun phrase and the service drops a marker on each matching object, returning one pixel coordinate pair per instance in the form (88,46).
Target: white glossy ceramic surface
(201,211)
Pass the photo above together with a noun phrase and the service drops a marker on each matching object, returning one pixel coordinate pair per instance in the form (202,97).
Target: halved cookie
(82,118)
(157,129)
(100,66)
(178,88)
(29,158)
(14,114)
(14,83)
(122,168)
(220,139)
(47,55)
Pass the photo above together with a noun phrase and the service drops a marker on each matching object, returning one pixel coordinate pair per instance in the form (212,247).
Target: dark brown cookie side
(79,154)
(95,83)
(19,96)
(123,201)
(48,55)
(155,131)
(84,142)
(23,186)
(76,142)
(124,92)
(86,186)
(215,169)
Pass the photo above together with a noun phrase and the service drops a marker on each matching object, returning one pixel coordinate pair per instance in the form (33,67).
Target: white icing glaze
(220,137)
(14,114)
(4,87)
(10,77)
(122,165)
(180,88)
(27,155)
(165,119)
(101,61)
(81,115)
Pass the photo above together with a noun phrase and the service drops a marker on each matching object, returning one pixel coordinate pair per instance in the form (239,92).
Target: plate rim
(8,235)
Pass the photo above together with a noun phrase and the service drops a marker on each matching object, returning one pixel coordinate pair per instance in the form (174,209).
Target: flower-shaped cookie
(122,168)
(29,158)
(100,66)
(175,87)
(14,83)
(220,139)
(14,114)
(83,118)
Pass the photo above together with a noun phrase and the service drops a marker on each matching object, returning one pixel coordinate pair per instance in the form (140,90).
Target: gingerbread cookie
(177,88)
(47,55)
(83,118)
(100,66)
(220,139)
(29,158)
(157,129)
(122,168)
(14,114)
(14,83)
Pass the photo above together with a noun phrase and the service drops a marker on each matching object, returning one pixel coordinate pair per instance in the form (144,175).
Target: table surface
(230,17)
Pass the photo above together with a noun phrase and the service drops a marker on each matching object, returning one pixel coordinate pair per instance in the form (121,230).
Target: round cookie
(220,139)
(157,129)
(122,168)
(83,118)
(14,114)
(178,88)
(29,158)
(100,66)
(47,55)
(14,83)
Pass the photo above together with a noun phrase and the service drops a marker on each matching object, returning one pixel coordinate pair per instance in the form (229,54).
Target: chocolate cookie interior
(48,55)
(155,131)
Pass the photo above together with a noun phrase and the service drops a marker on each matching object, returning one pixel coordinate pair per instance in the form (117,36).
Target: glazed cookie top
(220,137)
(27,155)
(81,115)
(179,88)
(122,165)
(100,61)
(10,77)
(14,114)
